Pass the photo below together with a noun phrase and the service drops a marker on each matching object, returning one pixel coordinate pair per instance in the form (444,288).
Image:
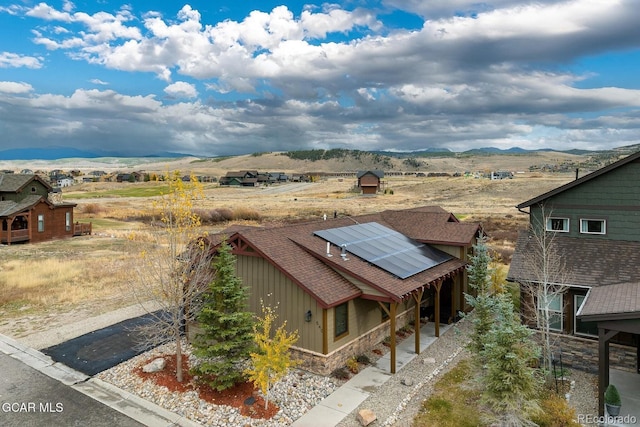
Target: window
(558,224)
(40,223)
(33,189)
(583,328)
(555,312)
(593,226)
(67,221)
(341,313)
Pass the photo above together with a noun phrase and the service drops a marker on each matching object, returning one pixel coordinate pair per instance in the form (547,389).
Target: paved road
(30,398)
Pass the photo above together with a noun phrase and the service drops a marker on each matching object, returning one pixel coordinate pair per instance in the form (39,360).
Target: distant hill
(57,153)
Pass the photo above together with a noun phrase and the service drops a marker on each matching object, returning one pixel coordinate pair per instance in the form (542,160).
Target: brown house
(27,214)
(370,182)
(345,283)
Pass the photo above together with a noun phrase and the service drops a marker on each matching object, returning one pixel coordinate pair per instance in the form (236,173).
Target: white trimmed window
(40,223)
(593,226)
(558,224)
(581,327)
(67,221)
(555,312)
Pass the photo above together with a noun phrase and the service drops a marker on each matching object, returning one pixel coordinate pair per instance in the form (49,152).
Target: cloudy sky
(232,77)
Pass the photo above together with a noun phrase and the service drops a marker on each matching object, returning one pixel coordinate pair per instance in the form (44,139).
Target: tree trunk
(178,360)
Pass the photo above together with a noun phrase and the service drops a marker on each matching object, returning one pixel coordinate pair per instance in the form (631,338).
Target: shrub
(246,214)
(340,374)
(555,411)
(364,359)
(611,396)
(92,209)
(352,364)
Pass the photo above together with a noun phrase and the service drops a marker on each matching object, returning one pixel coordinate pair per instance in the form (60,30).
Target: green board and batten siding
(614,197)
(268,284)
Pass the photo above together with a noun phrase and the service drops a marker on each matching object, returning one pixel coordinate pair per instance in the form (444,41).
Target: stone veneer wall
(582,353)
(324,364)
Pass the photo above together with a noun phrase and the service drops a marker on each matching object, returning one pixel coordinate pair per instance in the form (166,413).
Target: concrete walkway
(343,401)
(628,384)
(136,408)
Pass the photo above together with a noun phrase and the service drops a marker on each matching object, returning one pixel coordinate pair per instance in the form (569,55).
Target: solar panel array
(385,248)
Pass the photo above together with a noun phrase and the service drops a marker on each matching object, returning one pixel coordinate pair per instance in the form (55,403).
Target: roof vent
(343,253)
(329,249)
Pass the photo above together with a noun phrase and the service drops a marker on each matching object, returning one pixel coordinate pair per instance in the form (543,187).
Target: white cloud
(15,87)
(181,90)
(14,60)
(99,82)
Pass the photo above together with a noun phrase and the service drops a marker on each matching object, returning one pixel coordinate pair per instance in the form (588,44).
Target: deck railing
(80,229)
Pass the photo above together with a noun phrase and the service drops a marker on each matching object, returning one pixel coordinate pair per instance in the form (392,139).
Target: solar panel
(385,248)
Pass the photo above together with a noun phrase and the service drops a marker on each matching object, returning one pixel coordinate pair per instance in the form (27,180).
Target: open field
(53,283)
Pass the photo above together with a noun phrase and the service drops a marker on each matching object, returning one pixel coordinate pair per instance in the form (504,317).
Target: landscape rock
(155,365)
(407,381)
(366,416)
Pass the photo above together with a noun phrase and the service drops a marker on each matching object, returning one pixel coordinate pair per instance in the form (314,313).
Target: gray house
(595,221)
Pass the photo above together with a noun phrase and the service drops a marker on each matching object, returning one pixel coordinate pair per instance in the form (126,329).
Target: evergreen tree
(226,339)
(480,275)
(510,380)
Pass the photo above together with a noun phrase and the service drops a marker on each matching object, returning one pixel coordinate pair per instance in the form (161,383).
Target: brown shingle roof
(301,255)
(588,262)
(612,302)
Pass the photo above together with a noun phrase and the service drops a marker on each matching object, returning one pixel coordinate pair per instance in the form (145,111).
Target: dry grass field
(52,283)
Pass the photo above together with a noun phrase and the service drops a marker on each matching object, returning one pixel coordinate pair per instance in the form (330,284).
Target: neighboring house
(370,182)
(345,283)
(65,181)
(596,224)
(28,214)
(240,179)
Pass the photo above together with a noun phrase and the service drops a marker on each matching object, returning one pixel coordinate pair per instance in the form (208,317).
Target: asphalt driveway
(102,349)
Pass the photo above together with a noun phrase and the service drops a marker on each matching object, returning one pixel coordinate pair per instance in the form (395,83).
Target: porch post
(416,318)
(392,315)
(9,230)
(603,365)
(437,314)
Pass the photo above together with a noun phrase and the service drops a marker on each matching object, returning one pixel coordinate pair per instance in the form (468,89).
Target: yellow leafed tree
(273,360)
(174,266)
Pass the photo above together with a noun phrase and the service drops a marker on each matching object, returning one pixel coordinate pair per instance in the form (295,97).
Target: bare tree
(545,283)
(174,266)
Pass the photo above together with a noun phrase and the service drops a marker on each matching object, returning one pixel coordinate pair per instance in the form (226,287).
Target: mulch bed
(235,396)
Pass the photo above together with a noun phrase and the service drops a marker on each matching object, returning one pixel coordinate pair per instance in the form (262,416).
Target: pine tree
(272,360)
(510,379)
(226,339)
(480,275)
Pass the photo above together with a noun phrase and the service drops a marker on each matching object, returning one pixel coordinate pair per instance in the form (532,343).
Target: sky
(217,78)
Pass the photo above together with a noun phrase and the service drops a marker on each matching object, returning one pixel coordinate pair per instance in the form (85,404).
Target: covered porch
(615,308)
(15,228)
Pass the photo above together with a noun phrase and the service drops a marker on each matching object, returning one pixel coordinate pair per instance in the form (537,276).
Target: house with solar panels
(345,283)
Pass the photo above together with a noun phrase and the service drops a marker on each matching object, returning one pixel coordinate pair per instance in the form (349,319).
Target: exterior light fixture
(307,316)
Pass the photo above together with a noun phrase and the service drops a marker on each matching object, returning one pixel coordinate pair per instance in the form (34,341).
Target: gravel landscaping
(395,403)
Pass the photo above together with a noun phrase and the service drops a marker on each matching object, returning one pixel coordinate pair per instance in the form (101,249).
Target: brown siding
(54,222)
